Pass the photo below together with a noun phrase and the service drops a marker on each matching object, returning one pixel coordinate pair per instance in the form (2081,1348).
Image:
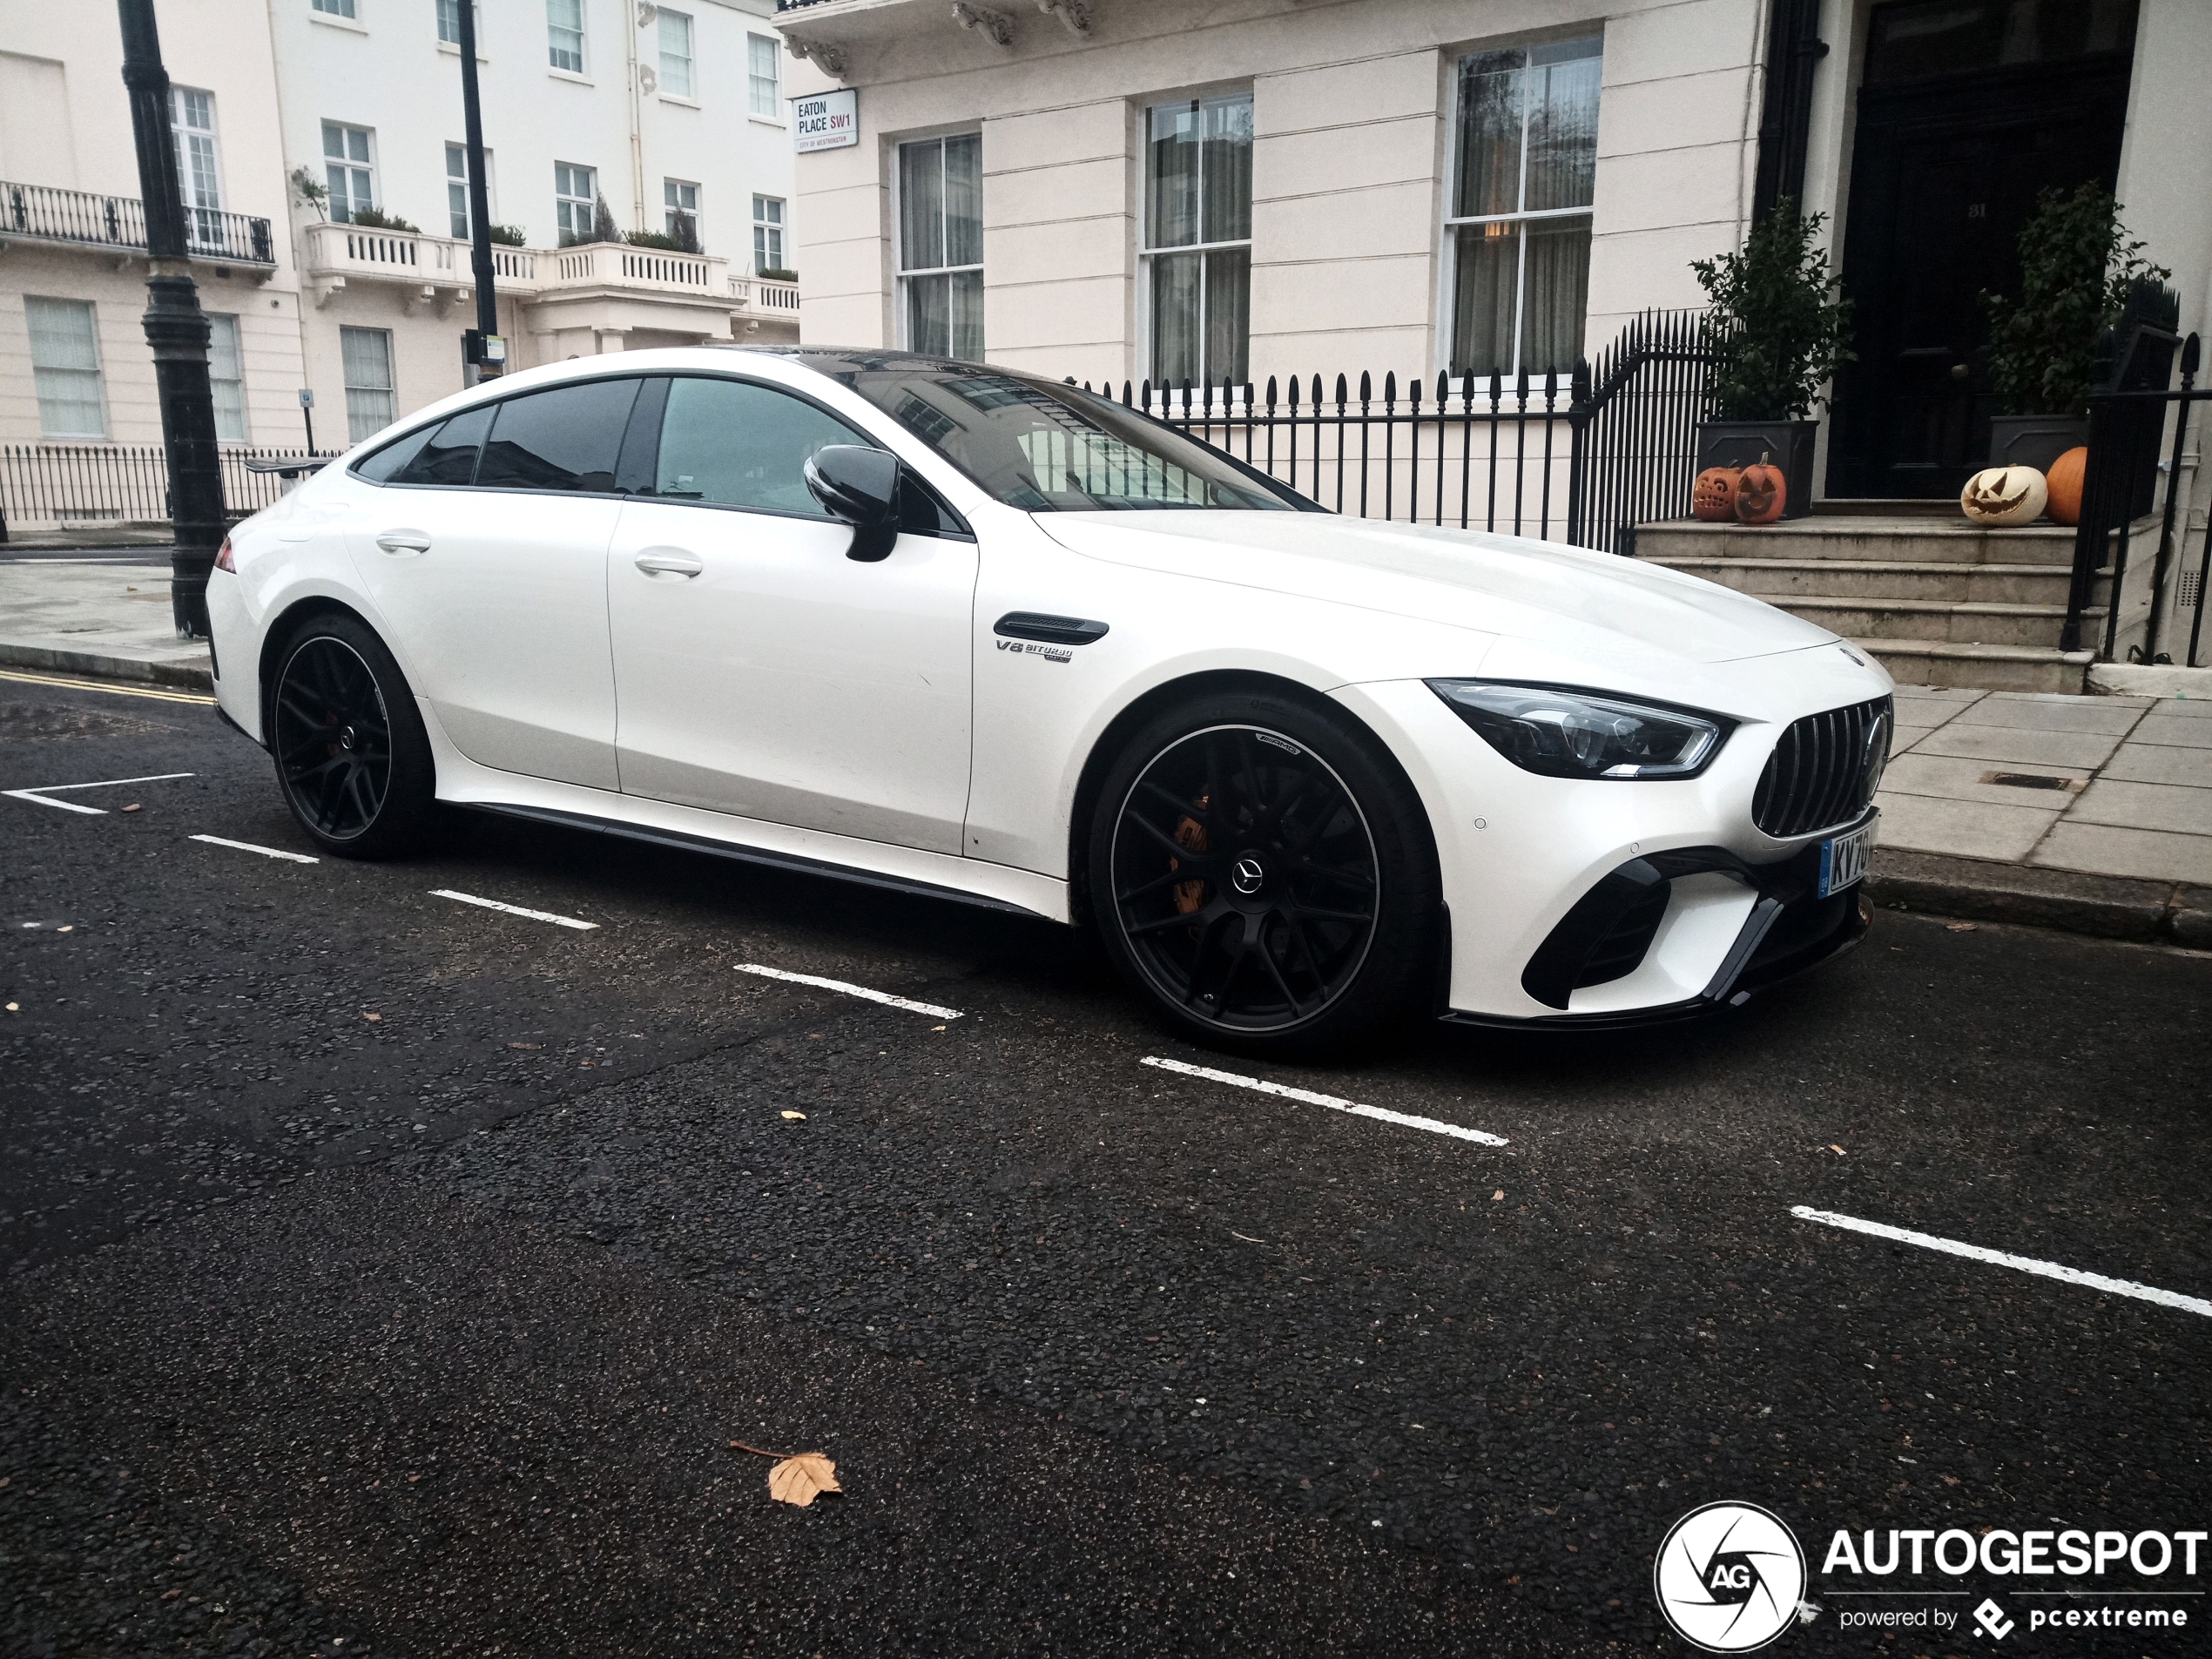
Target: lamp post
(176,329)
(483,350)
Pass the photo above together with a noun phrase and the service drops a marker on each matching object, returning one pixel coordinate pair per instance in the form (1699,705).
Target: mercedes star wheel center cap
(1248,875)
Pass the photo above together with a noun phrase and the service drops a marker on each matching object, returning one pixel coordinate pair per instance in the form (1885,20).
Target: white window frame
(460,179)
(452,9)
(351,165)
(902,274)
(763,93)
(98,371)
(345,9)
(230,409)
(356,430)
(1146,253)
(203,218)
(677,187)
(1447,253)
(766,228)
(582,31)
(686,62)
(590,202)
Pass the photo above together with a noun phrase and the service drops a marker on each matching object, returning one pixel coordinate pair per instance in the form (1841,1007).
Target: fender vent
(1620,951)
(1823,773)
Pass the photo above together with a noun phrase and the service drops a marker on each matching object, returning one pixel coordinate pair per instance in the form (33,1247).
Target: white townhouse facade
(1205,190)
(298,120)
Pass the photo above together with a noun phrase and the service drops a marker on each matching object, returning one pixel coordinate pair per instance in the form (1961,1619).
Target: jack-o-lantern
(1761,493)
(2003,496)
(1713,496)
(2064,484)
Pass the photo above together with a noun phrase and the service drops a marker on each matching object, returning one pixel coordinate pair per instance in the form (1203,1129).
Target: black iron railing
(100,483)
(1584,456)
(91,221)
(2127,430)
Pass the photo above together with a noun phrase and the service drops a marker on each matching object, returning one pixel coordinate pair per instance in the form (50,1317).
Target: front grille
(1823,772)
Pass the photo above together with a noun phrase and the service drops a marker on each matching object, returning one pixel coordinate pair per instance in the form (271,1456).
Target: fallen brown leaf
(799,1479)
(526,1045)
(367,1015)
(794,1118)
(1837,1150)
(1962,927)
(1498,1195)
(132,807)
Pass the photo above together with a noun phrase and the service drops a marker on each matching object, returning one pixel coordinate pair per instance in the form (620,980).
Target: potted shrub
(2078,272)
(1779,333)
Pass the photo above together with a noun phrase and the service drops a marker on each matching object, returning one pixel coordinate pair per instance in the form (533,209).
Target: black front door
(1969,109)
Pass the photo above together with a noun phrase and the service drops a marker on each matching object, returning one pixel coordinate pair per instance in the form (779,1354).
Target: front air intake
(1823,773)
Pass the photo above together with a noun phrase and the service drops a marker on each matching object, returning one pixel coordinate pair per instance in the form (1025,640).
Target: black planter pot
(1787,444)
(2034,439)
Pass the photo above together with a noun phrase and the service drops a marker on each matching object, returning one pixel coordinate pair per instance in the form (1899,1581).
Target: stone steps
(1784,579)
(1989,668)
(1956,622)
(1910,541)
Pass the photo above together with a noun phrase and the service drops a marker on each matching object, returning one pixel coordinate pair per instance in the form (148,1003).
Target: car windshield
(1049,448)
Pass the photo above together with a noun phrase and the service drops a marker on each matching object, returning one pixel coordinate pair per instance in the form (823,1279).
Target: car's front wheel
(1264,872)
(352,756)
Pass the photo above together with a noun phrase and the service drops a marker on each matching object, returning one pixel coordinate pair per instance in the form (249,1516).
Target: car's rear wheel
(352,756)
(1265,874)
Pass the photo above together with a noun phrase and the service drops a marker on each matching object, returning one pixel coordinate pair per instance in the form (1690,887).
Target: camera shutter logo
(1728,1577)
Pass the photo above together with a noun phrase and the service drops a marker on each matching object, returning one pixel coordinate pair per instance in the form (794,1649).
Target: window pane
(921,206)
(366,353)
(1177,284)
(450,457)
(1226,158)
(383,465)
(740,445)
(967,291)
(564,439)
(1562,134)
(449,21)
(1557,291)
(1171,177)
(761,57)
(1489,158)
(676,53)
(225,378)
(564,34)
(929,316)
(1488,274)
(65,368)
(1229,283)
(964,200)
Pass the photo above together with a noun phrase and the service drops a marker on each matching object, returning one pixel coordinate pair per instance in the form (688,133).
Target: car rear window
(566,438)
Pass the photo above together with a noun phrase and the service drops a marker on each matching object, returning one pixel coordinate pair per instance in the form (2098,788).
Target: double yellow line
(160,694)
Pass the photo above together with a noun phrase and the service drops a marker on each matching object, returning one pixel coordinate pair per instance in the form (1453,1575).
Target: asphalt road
(388,1274)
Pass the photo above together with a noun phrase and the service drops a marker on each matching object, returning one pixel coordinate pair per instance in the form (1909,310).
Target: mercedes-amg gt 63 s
(966,632)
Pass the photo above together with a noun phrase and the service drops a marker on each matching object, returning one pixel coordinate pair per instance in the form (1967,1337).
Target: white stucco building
(675,116)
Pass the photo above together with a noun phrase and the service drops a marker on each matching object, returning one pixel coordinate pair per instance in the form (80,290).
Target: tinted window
(387,462)
(567,438)
(738,444)
(450,457)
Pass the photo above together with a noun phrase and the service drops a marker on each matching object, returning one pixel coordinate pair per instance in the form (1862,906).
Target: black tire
(1261,870)
(353,760)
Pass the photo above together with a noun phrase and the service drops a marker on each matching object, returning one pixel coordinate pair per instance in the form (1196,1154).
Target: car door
(762,672)
(487,554)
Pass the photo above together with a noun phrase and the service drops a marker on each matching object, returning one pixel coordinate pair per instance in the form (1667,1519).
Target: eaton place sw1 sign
(826,121)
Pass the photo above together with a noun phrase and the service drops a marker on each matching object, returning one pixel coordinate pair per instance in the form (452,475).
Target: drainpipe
(646,13)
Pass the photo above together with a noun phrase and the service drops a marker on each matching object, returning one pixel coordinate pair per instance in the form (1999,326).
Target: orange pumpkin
(1713,496)
(2064,482)
(1761,493)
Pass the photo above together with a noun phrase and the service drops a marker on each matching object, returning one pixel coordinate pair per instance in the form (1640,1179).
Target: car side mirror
(861,486)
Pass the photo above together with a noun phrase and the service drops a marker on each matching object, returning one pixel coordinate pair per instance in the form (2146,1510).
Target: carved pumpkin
(1761,493)
(2003,496)
(2064,482)
(1713,496)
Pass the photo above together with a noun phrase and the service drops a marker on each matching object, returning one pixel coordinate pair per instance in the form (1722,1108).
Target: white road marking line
(513,909)
(2002,1259)
(850,989)
(39,795)
(248,846)
(1403,1120)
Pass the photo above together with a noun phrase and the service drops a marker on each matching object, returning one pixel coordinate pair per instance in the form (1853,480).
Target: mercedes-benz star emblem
(1730,1577)
(1247,875)
(1878,754)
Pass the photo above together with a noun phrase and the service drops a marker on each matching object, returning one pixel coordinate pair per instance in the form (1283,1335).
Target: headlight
(1581,734)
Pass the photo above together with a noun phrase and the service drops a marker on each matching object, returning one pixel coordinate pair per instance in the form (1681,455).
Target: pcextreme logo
(1730,1577)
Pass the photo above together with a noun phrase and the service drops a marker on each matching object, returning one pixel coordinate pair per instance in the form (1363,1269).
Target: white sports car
(971,633)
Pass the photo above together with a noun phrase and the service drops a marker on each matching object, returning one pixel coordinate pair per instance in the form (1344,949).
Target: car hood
(1565,598)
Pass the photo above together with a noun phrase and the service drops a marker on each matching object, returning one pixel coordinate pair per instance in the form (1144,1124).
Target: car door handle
(669,561)
(1054,630)
(400,542)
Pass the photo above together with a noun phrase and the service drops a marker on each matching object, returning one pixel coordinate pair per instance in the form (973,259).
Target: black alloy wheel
(1247,886)
(351,754)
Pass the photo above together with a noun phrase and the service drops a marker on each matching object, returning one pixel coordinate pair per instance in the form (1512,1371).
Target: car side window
(385,464)
(566,438)
(449,456)
(733,443)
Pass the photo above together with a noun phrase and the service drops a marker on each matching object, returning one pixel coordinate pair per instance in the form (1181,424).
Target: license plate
(1842,857)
